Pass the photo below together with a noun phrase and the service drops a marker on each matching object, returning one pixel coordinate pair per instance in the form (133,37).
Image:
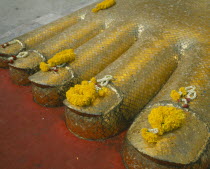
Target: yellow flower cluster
(165,119)
(104,5)
(148,136)
(176,96)
(44,67)
(85,93)
(183,91)
(64,56)
(103,91)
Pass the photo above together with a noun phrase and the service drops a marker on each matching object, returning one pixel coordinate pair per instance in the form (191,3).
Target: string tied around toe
(105,80)
(14,57)
(13,42)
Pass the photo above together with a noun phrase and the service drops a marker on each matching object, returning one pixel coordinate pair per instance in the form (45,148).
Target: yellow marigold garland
(62,57)
(85,94)
(164,119)
(104,5)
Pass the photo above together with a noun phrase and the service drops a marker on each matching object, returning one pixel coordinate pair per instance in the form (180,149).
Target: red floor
(35,137)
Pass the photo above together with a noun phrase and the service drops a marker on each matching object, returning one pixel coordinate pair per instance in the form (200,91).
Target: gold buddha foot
(149,48)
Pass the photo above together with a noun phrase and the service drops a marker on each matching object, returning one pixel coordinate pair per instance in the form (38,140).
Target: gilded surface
(70,38)
(189,143)
(95,55)
(143,44)
(182,146)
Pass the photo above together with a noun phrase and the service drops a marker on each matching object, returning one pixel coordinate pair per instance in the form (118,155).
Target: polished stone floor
(20,16)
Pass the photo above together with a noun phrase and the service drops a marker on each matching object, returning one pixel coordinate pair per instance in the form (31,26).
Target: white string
(17,41)
(35,51)
(13,42)
(10,58)
(62,65)
(20,55)
(180,93)
(53,68)
(191,92)
(104,81)
(59,66)
(190,88)
(185,101)
(97,88)
(192,95)
(155,131)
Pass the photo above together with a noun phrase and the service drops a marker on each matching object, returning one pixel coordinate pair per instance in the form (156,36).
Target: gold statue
(122,60)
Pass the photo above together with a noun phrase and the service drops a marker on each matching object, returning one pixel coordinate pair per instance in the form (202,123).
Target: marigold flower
(166,118)
(93,80)
(148,136)
(85,94)
(103,91)
(44,67)
(64,56)
(104,5)
(183,91)
(175,95)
